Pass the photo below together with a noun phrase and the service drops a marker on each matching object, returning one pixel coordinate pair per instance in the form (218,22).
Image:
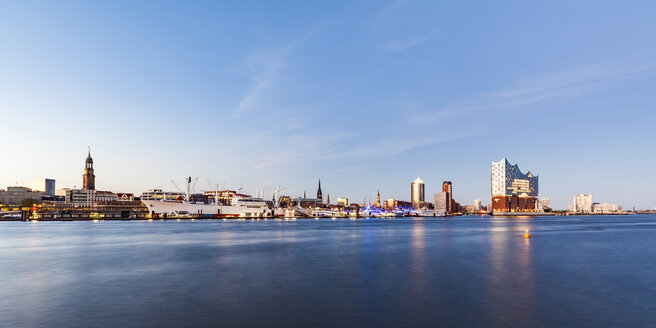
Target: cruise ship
(238,206)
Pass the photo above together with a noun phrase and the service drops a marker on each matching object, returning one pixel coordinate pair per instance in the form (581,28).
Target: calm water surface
(466,271)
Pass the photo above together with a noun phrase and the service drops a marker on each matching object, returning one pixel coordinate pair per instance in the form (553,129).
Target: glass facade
(508,180)
(417,192)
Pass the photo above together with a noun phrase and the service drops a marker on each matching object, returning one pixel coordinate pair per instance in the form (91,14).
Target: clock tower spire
(89,179)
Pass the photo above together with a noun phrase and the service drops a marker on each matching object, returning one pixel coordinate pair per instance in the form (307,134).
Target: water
(465,271)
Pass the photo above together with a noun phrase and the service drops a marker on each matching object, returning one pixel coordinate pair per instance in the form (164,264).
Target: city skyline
(506,179)
(365,96)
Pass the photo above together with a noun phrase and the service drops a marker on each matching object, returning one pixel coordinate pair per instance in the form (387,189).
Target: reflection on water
(418,274)
(511,276)
(463,271)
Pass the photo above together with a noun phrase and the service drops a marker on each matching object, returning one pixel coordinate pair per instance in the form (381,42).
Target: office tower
(47,186)
(417,193)
(447,188)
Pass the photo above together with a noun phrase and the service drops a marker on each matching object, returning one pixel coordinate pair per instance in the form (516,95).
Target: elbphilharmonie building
(508,180)
(513,190)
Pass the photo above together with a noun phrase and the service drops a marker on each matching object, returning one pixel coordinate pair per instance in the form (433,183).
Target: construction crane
(176,187)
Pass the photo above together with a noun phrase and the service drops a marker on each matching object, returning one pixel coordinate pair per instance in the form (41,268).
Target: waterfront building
(514,203)
(87,197)
(605,208)
(512,190)
(104,196)
(509,180)
(392,204)
(477,205)
(457,207)
(89,178)
(46,186)
(441,201)
(581,204)
(417,193)
(342,202)
(545,203)
(79,196)
(447,187)
(15,195)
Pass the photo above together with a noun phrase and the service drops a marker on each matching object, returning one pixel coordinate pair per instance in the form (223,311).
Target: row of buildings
(511,191)
(44,190)
(514,191)
(48,202)
(583,204)
(442,201)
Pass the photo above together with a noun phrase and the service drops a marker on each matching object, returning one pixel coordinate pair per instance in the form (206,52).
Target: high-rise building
(447,187)
(545,203)
(417,193)
(47,186)
(441,201)
(477,205)
(89,179)
(512,190)
(582,204)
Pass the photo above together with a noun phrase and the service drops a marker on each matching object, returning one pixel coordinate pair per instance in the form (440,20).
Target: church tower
(319,194)
(89,179)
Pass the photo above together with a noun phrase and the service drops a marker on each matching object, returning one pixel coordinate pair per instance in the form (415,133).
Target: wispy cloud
(398,39)
(389,9)
(264,66)
(331,148)
(401,45)
(264,72)
(567,84)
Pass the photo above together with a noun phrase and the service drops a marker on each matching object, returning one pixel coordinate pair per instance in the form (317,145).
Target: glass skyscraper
(508,180)
(512,190)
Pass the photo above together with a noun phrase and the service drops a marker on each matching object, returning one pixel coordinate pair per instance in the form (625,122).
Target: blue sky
(364,95)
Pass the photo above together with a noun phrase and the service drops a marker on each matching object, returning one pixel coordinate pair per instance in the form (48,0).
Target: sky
(364,95)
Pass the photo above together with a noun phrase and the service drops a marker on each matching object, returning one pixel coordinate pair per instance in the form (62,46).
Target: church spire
(89,178)
(319,194)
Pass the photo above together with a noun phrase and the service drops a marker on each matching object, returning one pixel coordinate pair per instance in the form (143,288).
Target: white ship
(240,206)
